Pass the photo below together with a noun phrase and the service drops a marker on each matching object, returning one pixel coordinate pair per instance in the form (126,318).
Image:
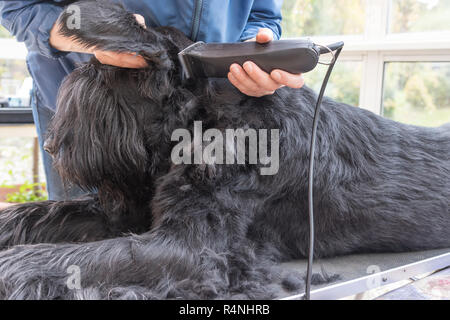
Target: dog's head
(109,118)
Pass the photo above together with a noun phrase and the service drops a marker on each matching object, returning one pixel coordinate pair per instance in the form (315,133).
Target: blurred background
(396,63)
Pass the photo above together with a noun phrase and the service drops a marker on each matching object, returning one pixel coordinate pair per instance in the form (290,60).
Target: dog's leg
(197,249)
(53,222)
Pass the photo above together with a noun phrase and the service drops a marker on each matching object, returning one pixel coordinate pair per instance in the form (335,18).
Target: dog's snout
(48,146)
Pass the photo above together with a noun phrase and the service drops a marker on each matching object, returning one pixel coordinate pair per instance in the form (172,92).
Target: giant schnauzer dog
(155,229)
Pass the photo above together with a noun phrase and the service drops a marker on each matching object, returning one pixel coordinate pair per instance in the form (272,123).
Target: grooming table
(370,272)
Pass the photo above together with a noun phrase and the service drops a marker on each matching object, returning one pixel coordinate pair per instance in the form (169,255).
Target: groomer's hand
(124,60)
(253,81)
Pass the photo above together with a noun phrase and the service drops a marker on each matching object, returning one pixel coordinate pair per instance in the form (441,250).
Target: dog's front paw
(31,273)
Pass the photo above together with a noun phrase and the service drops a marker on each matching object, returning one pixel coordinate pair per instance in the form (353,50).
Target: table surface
(359,265)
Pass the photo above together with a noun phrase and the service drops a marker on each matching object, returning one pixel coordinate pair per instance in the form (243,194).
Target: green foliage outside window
(417,92)
(28,192)
(344,84)
(323,17)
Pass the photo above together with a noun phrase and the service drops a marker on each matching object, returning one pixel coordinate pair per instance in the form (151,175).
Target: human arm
(125,60)
(30,22)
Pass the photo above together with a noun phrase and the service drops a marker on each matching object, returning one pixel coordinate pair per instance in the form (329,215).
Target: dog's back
(379,185)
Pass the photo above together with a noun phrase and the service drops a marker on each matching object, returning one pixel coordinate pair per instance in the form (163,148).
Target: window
(19,160)
(396,58)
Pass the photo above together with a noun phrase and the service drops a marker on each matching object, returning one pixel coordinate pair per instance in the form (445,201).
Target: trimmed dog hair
(154,230)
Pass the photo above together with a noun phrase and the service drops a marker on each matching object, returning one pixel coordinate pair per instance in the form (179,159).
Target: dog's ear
(97,136)
(108,26)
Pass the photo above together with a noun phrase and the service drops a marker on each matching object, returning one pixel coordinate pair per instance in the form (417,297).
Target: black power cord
(338,48)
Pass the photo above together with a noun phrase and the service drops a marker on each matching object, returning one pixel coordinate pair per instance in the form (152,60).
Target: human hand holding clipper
(252,81)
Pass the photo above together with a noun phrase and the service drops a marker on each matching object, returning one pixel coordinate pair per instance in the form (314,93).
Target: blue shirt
(201,20)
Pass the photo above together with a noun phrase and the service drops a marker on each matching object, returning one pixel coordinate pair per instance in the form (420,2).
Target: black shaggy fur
(157,230)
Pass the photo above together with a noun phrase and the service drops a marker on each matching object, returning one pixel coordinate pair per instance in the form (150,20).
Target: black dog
(210,230)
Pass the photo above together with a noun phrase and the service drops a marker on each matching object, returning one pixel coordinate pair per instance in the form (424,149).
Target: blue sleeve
(264,14)
(31,21)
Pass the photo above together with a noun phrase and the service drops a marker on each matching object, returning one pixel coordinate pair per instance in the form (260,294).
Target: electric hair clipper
(213,60)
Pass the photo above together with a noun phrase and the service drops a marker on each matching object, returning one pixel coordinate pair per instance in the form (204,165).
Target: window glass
(417,92)
(323,17)
(345,81)
(15,81)
(419,15)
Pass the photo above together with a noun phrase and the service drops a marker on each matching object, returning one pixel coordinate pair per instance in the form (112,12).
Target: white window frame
(376,47)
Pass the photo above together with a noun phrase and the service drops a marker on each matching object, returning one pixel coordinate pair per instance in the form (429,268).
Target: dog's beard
(97,135)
